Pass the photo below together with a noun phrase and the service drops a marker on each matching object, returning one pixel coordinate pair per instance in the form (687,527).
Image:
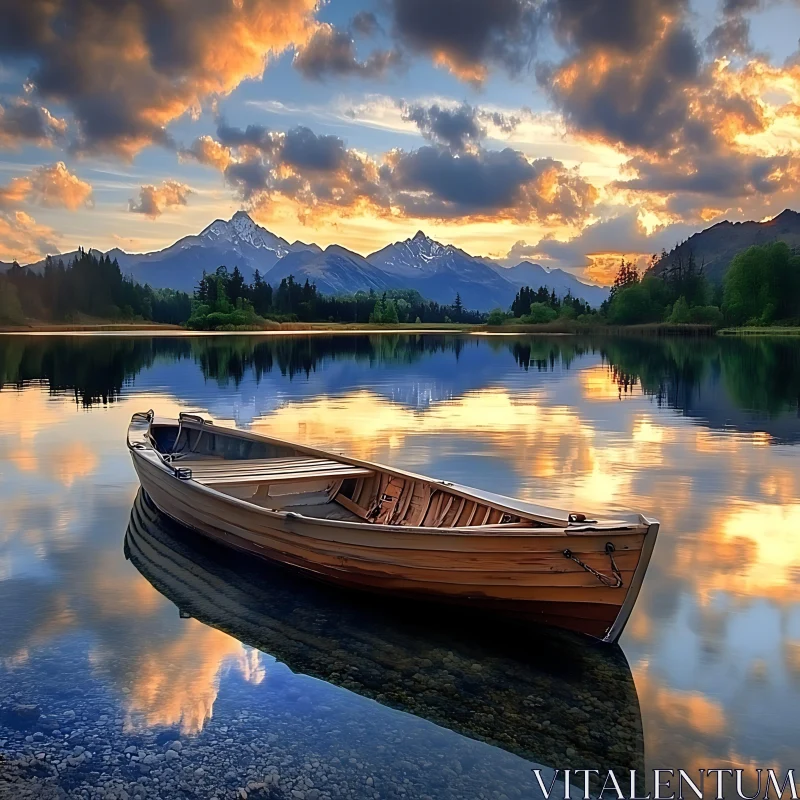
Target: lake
(136,661)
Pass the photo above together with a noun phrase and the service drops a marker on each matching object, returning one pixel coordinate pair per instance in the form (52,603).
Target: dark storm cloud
(21,121)
(469,35)
(457,127)
(719,175)
(252,136)
(635,103)
(302,148)
(434,182)
(299,163)
(331,53)
(127,68)
(623,25)
(317,171)
(484,181)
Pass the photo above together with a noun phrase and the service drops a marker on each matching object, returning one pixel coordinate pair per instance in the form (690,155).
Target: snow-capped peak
(241,230)
(423,247)
(413,255)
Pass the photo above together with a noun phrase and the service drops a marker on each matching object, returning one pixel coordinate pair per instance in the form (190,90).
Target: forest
(761,288)
(89,286)
(225,301)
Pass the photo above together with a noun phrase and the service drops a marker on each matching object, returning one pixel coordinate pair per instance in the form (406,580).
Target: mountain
(715,247)
(535,275)
(335,270)
(440,271)
(236,242)
(413,256)
(437,271)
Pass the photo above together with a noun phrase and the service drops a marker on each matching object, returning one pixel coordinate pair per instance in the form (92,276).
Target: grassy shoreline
(558,327)
(764,331)
(283,327)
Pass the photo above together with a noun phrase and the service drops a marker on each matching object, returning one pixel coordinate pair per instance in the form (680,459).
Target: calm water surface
(120,632)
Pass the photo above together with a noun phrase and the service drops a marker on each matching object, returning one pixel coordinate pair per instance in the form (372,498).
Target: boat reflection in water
(545,695)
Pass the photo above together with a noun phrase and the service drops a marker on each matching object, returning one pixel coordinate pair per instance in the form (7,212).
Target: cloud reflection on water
(714,638)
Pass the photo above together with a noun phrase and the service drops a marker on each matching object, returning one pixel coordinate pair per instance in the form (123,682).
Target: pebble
(291,738)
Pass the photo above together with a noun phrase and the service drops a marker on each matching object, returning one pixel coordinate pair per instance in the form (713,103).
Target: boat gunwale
(619,527)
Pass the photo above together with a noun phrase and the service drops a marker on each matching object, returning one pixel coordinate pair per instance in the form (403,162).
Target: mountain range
(715,247)
(437,271)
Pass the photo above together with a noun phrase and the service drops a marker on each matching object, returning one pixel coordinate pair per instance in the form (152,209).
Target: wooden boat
(420,664)
(381,529)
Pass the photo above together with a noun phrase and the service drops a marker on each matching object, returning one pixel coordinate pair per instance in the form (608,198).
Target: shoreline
(558,328)
(155,329)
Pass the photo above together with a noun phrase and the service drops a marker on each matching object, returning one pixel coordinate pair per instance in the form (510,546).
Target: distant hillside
(715,247)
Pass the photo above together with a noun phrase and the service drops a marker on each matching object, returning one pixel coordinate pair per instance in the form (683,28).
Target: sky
(566,132)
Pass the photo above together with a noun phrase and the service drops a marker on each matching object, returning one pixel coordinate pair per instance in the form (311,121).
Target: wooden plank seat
(273,470)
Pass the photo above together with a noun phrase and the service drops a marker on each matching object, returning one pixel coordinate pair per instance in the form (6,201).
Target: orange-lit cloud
(153,201)
(51,186)
(207,150)
(24,238)
(124,84)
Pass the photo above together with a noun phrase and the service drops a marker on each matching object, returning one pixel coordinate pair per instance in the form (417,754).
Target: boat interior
(277,476)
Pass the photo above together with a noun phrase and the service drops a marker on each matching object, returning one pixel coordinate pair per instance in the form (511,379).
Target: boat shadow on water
(552,697)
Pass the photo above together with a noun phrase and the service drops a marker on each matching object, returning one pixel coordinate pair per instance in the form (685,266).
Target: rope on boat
(613,583)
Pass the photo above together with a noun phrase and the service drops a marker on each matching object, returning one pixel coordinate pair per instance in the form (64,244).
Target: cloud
(434,182)
(331,53)
(305,150)
(638,102)
(457,127)
(365,23)
(599,246)
(624,26)
(206,150)
(716,174)
(23,122)
(468,36)
(127,69)
(730,37)
(155,200)
(699,134)
(319,173)
(23,239)
(52,186)
(15,192)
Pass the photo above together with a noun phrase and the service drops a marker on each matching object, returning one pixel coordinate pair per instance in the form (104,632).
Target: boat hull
(388,651)
(524,576)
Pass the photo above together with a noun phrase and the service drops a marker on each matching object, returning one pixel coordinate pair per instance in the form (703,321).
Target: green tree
(496,317)
(680,312)
(540,313)
(762,285)
(10,308)
(390,313)
(627,276)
